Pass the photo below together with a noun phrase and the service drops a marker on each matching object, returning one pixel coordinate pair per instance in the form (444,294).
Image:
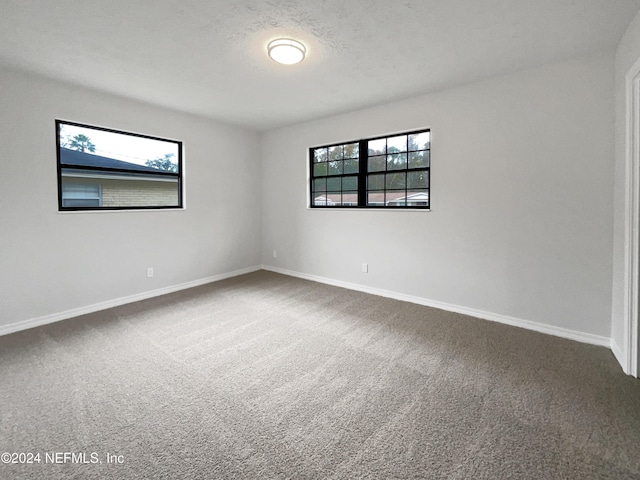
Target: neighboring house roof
(416,197)
(76,158)
(376,198)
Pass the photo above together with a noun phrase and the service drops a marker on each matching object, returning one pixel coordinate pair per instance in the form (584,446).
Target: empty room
(320,239)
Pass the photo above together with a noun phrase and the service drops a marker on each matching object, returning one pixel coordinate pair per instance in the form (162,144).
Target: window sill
(124,210)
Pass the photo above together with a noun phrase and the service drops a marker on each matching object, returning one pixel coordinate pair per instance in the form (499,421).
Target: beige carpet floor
(266,376)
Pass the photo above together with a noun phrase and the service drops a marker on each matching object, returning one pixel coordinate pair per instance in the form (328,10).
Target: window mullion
(363,160)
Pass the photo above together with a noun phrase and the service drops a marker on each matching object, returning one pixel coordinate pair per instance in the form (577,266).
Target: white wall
(53,262)
(522,199)
(627,54)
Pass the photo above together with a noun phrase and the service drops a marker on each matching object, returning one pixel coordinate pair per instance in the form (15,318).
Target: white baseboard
(619,354)
(493,317)
(56,317)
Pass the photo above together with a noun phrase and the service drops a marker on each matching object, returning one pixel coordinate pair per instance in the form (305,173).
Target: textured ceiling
(209,57)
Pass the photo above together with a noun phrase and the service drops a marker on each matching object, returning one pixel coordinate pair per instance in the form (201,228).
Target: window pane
(375,199)
(334,185)
(418,197)
(320,155)
(335,153)
(351,150)
(320,185)
(375,182)
(334,198)
(122,189)
(397,161)
(320,199)
(350,183)
(351,166)
(349,199)
(419,141)
(117,169)
(335,168)
(377,147)
(319,169)
(417,180)
(419,159)
(97,147)
(396,198)
(377,164)
(396,181)
(397,144)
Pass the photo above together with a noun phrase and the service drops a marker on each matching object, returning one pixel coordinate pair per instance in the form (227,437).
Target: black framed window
(382,172)
(106,169)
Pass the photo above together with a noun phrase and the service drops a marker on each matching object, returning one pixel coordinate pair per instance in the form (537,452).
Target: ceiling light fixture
(286,51)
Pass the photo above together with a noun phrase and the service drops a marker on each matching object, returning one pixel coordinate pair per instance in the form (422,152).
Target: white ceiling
(209,57)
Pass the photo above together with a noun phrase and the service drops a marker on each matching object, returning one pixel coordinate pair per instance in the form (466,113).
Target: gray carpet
(266,376)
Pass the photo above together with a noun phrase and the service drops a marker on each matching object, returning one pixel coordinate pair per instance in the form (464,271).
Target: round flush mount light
(286,51)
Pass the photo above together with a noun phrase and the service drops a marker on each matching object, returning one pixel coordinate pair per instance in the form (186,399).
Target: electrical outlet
(150,272)
(365,268)
(275,254)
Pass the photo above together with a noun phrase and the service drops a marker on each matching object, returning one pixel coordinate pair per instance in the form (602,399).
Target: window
(81,195)
(105,169)
(383,172)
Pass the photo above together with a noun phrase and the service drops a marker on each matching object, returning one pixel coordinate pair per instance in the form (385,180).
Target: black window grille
(382,172)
